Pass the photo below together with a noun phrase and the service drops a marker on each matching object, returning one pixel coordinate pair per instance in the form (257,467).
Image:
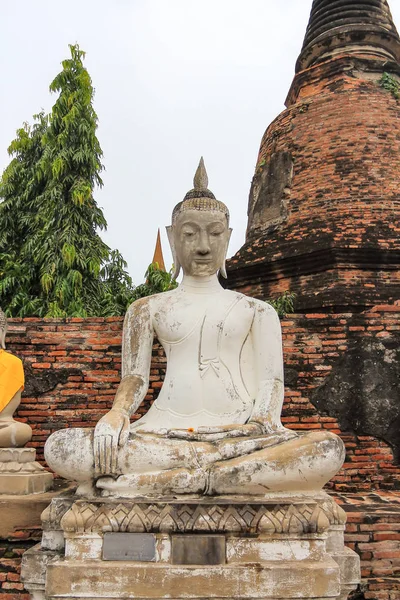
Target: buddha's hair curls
(204,203)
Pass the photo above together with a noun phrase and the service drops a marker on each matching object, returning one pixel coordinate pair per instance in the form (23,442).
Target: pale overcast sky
(174,80)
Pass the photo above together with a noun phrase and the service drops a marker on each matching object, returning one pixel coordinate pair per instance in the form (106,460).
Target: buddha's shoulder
(8,359)
(252,303)
(142,305)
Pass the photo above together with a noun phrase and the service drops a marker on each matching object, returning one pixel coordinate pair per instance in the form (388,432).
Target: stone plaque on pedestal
(139,547)
(198,550)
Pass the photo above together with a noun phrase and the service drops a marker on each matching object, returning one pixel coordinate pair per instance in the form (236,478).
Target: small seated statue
(12,433)
(215,427)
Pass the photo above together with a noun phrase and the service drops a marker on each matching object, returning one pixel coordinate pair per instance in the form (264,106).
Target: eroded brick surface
(334,240)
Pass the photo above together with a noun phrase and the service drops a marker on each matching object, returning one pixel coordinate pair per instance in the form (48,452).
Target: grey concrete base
(20,474)
(270,580)
(23,512)
(281,548)
(21,484)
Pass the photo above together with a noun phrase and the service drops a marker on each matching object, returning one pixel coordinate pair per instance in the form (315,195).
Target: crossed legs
(156,465)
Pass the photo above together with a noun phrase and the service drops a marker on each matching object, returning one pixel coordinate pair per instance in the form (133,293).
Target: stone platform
(20,474)
(277,547)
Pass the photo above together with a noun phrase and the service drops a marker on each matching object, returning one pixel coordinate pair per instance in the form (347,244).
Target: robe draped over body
(11,377)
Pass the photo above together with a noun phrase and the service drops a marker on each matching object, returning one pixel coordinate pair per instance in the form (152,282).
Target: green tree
(52,258)
(118,288)
(66,243)
(20,185)
(157,281)
(53,261)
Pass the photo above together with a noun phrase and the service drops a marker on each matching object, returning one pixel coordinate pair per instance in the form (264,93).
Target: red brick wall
(373,531)
(313,343)
(11,553)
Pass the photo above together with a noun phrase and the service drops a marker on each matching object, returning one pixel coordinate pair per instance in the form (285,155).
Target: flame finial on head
(200,197)
(200,180)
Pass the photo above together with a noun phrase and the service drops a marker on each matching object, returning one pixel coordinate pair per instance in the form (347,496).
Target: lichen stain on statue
(20,474)
(215,427)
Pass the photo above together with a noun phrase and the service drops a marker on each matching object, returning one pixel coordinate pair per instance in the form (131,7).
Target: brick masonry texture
(11,552)
(324,207)
(73,370)
(373,531)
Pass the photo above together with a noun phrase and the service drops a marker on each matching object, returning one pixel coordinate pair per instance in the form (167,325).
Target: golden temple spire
(158,253)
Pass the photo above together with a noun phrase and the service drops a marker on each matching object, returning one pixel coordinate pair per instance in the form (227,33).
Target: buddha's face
(201,241)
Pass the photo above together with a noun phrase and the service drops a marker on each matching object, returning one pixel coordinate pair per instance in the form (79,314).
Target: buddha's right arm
(130,394)
(137,344)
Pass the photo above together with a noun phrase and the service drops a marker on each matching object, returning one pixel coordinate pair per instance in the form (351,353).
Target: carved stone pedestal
(20,474)
(278,547)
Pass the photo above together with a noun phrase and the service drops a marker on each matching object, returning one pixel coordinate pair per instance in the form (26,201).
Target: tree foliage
(157,281)
(53,261)
(65,241)
(20,185)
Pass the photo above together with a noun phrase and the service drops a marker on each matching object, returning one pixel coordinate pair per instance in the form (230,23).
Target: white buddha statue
(215,427)
(13,434)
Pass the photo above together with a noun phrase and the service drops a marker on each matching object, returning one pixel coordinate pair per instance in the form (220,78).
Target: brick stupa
(324,206)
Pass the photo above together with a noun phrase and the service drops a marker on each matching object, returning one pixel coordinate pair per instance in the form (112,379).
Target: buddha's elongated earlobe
(223,266)
(177,266)
(223,270)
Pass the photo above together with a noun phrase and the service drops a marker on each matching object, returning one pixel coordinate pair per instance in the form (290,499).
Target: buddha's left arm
(267,343)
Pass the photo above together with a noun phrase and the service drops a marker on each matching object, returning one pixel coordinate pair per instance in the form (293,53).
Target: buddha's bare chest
(218,317)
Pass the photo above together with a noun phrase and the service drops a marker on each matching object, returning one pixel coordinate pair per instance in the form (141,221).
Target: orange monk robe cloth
(11,377)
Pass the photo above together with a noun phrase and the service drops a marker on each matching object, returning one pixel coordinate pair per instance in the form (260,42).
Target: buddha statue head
(3,330)
(199,234)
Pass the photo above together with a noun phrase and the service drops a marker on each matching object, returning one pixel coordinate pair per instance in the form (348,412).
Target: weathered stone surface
(349,26)
(274,549)
(20,484)
(25,457)
(269,193)
(97,579)
(362,390)
(53,535)
(20,474)
(278,514)
(22,513)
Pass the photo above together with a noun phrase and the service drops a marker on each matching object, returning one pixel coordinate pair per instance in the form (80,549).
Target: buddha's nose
(204,245)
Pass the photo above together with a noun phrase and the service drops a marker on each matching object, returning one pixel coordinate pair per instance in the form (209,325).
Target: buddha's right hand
(110,432)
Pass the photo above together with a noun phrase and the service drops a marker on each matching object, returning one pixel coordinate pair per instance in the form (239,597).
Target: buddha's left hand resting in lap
(215,427)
